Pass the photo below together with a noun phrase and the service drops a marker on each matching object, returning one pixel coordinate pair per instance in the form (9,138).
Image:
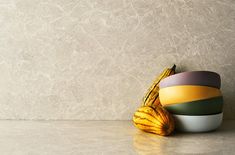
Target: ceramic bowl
(200,107)
(203,123)
(186,93)
(202,78)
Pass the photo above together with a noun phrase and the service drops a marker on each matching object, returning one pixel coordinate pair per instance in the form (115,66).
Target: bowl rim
(199,71)
(192,78)
(199,116)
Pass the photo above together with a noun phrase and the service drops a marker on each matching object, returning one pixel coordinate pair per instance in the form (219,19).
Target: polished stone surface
(94,59)
(107,137)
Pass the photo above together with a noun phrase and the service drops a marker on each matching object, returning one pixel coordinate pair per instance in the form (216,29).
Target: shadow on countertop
(220,141)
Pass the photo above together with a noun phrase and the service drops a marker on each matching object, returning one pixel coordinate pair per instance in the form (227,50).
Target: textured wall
(94,59)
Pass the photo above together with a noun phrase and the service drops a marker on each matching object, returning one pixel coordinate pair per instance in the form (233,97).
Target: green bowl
(200,107)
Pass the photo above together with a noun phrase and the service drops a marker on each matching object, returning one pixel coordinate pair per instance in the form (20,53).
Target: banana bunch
(155,120)
(151,116)
(152,96)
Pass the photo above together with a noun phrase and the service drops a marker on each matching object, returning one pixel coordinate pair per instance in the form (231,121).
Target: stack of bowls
(195,100)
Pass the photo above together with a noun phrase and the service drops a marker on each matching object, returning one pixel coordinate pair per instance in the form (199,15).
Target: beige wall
(94,59)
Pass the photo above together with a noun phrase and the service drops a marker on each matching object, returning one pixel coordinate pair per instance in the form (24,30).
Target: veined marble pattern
(94,59)
(108,137)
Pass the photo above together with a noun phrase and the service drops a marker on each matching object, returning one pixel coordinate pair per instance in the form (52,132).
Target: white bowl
(202,123)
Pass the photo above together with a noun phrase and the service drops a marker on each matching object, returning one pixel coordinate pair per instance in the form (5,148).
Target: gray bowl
(202,78)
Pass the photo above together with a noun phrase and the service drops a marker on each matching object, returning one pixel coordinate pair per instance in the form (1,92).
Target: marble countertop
(107,137)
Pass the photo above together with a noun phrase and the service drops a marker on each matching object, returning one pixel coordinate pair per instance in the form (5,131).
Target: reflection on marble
(107,137)
(218,142)
(94,59)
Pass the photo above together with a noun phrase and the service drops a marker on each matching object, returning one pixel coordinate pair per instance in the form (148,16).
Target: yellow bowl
(186,93)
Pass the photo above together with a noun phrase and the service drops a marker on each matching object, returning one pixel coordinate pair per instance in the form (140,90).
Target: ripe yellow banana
(152,96)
